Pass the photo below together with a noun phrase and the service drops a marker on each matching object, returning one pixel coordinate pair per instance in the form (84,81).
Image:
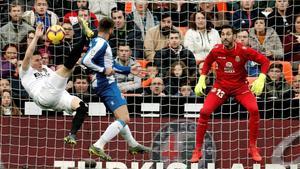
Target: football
(55,34)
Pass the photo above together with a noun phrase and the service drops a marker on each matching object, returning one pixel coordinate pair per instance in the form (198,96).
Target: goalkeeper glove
(258,84)
(200,86)
(89,33)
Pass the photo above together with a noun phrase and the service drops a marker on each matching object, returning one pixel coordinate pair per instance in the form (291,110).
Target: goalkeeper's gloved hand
(258,84)
(199,89)
(88,32)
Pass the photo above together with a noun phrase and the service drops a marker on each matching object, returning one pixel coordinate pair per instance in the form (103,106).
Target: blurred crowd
(169,39)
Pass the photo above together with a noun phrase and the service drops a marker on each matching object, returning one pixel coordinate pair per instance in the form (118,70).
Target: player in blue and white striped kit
(99,58)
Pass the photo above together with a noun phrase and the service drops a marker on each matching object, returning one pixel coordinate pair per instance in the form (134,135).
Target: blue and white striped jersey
(98,58)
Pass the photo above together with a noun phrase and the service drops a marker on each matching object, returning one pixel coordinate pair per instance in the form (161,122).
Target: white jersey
(33,80)
(47,88)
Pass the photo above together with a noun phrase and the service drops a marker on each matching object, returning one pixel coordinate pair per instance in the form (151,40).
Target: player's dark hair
(106,24)
(228,27)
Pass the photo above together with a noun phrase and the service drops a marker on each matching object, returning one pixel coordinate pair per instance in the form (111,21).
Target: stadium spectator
(18,92)
(8,106)
(40,13)
(157,37)
(4,85)
(296,87)
(81,88)
(99,58)
(142,16)
(291,44)
(281,18)
(177,75)
(83,12)
(157,88)
(217,18)
(243,37)
(151,72)
(276,86)
(69,32)
(16,29)
(61,7)
(252,67)
(186,90)
(265,40)
(126,83)
(180,15)
(102,8)
(174,52)
(9,61)
(231,81)
(201,36)
(243,17)
(25,42)
(126,31)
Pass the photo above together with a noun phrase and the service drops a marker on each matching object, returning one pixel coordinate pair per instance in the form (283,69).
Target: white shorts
(52,94)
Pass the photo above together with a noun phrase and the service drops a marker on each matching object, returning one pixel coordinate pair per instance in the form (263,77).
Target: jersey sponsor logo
(175,142)
(43,73)
(237,58)
(229,68)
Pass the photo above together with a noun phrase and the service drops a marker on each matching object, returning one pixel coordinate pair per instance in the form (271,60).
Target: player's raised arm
(31,47)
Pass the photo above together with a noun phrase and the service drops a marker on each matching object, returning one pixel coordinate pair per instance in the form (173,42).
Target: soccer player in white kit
(47,87)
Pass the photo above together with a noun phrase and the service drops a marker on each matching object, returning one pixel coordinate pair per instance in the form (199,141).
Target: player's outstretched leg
(134,146)
(81,113)
(112,130)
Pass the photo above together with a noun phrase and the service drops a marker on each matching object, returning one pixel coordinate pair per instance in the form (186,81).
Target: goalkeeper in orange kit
(230,58)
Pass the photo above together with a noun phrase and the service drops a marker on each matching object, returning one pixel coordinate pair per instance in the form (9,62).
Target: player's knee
(126,120)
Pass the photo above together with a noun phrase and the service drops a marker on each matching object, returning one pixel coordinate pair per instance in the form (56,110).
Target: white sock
(126,134)
(112,130)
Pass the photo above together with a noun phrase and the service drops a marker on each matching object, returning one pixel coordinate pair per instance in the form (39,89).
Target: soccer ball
(55,34)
